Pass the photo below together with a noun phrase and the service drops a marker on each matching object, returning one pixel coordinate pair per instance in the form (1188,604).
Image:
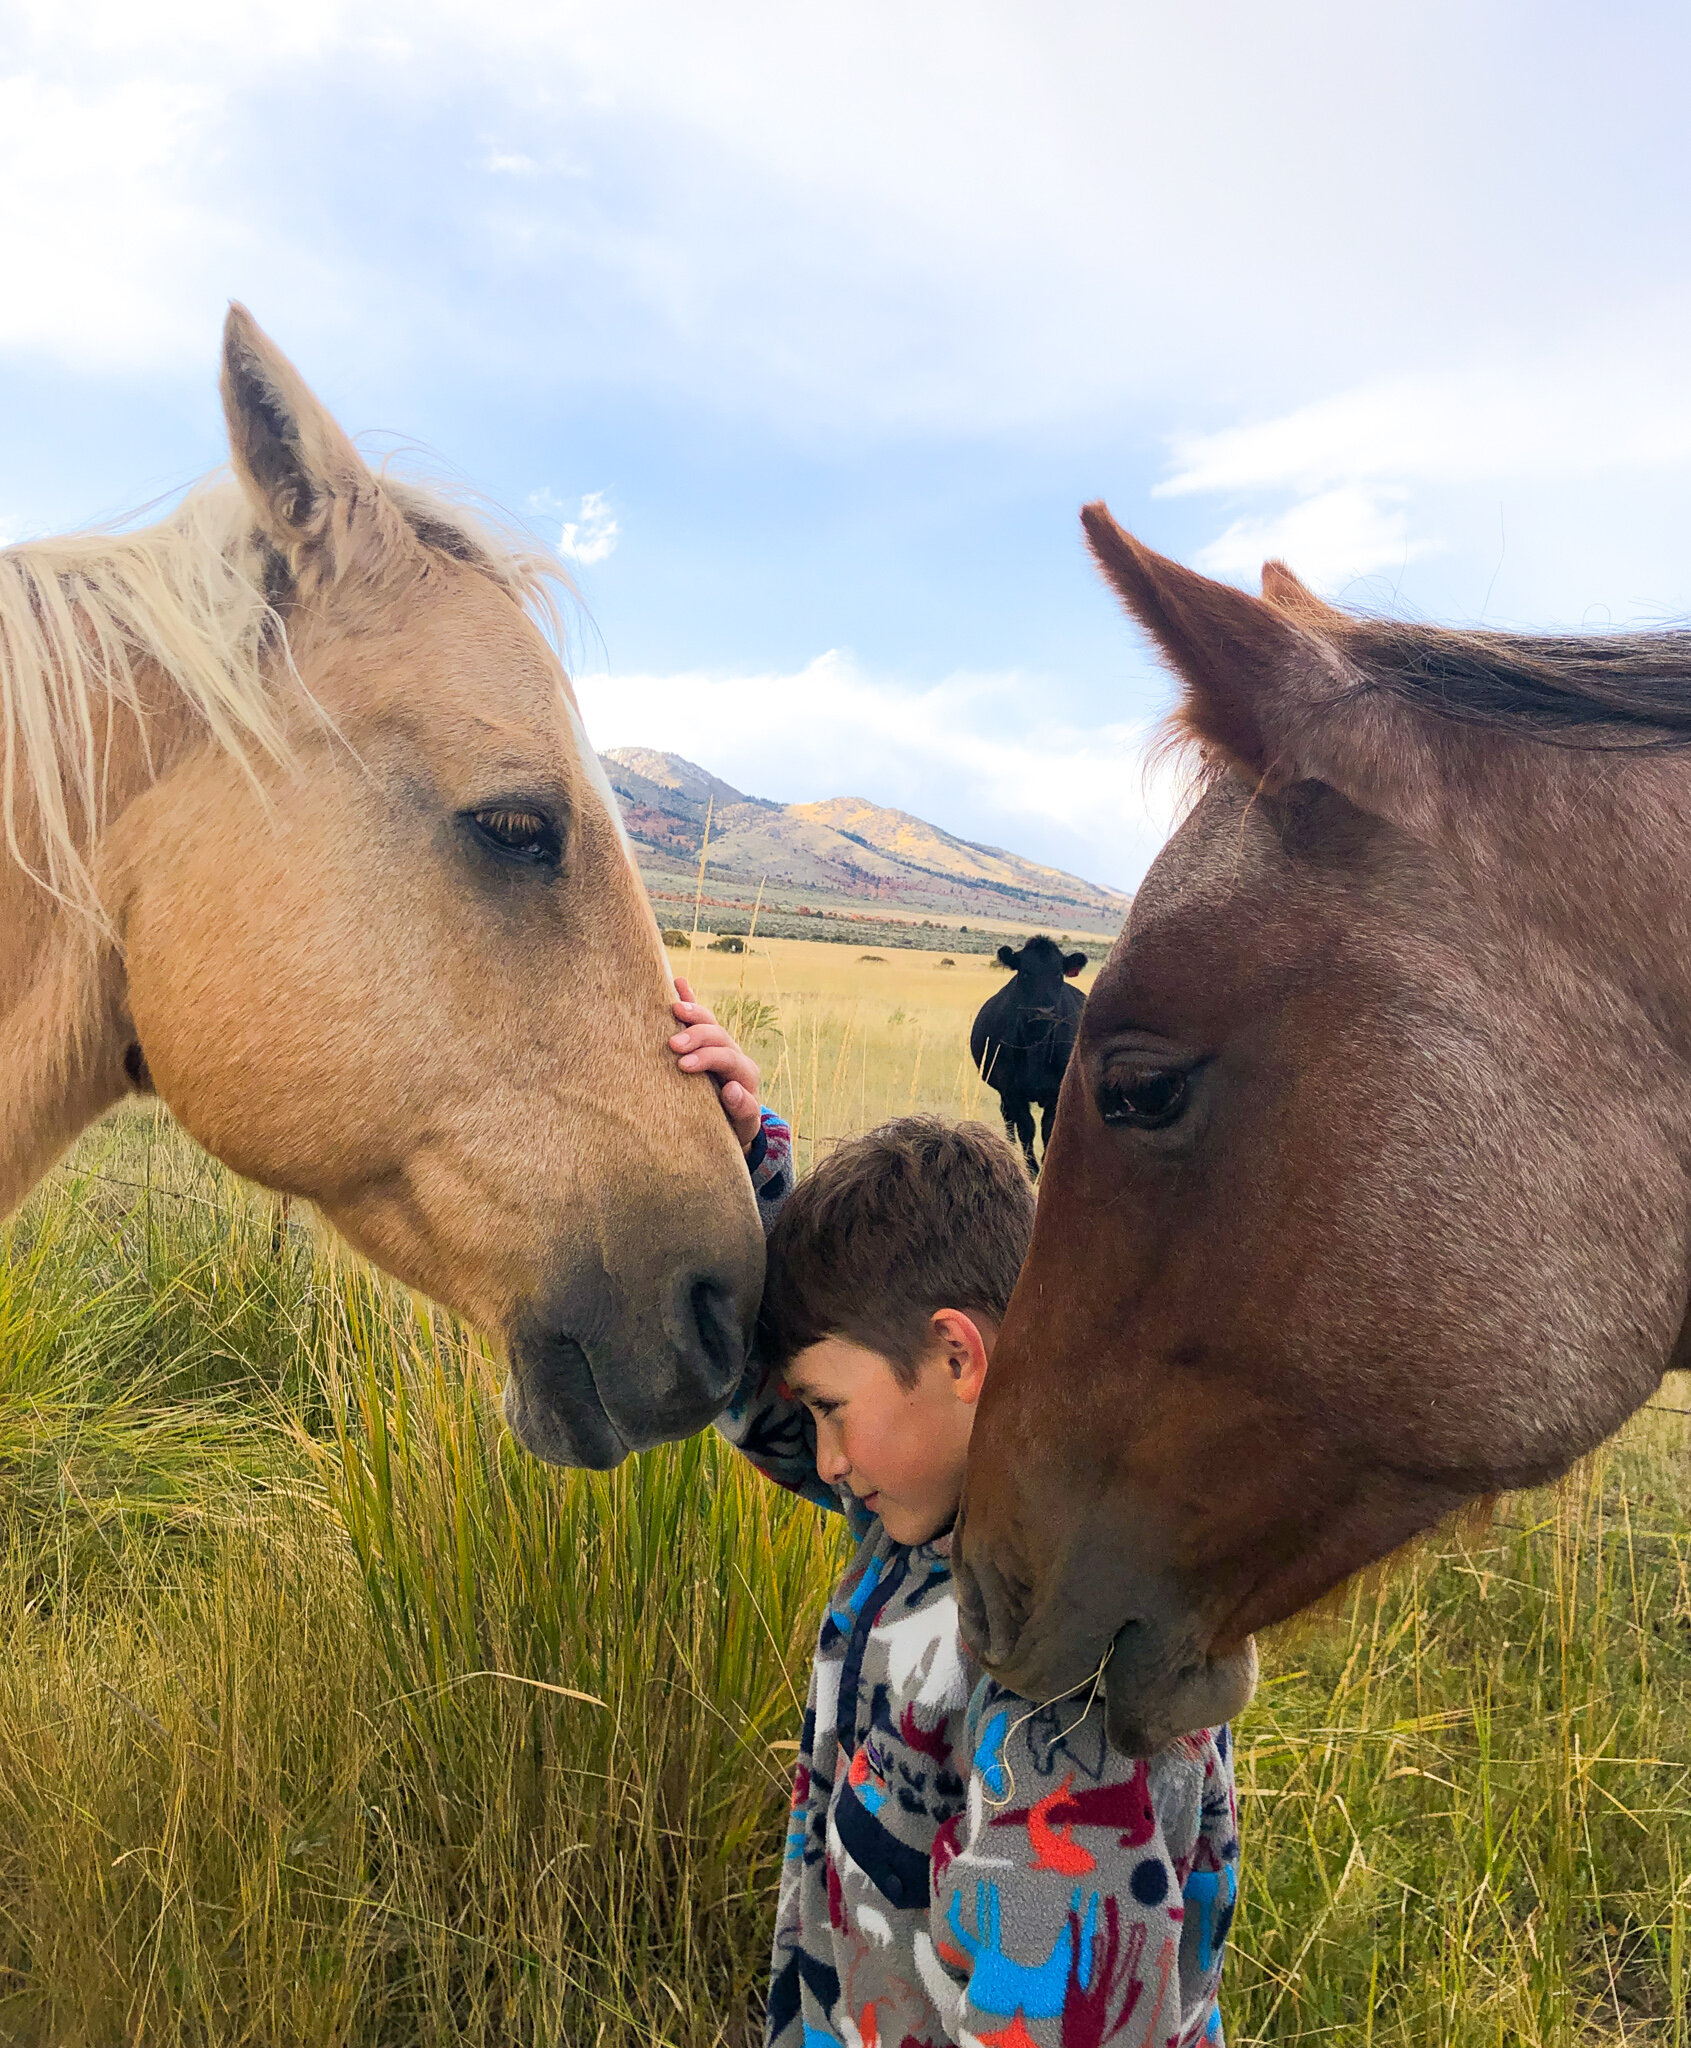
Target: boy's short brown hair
(918,1215)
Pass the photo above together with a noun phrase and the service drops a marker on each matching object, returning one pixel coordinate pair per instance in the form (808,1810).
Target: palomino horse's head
(1369,1190)
(401,964)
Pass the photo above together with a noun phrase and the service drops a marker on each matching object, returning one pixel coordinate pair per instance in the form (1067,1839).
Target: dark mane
(1614,690)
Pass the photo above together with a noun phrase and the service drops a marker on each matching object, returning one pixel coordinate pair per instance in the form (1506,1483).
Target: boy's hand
(705,1048)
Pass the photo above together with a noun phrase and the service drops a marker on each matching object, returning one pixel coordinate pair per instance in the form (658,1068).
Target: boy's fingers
(743,1111)
(726,1061)
(703,1046)
(695,1035)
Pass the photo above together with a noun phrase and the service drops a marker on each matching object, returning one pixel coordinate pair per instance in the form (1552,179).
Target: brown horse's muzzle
(1096,1616)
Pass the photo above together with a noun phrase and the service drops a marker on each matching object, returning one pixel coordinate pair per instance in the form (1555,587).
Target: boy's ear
(966,1351)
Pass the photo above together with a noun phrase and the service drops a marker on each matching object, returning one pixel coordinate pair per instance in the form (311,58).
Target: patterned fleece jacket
(961,1865)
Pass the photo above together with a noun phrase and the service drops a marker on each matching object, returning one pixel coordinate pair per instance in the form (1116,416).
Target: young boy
(962,1866)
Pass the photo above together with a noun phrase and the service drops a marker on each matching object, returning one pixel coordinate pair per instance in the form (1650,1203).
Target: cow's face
(1041,961)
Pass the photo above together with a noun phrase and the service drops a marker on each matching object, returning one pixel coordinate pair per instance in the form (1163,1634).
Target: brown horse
(304,833)
(1370,1193)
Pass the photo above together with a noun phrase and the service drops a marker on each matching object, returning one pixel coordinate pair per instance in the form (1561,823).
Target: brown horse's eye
(1146,1101)
(519,834)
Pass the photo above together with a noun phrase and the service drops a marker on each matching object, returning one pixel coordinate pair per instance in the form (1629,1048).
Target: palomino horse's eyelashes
(515,833)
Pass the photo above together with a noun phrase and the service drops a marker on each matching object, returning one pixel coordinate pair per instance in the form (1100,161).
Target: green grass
(328,1716)
(1466,1801)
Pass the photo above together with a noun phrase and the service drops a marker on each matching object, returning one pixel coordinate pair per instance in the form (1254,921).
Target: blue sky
(815,326)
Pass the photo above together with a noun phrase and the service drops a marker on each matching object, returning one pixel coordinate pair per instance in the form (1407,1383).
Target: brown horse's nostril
(971,1608)
(990,1614)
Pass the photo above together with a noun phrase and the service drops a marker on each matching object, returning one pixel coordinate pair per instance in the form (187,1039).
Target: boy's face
(900,1449)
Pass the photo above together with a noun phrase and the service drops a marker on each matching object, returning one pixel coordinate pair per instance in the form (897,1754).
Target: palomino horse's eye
(519,835)
(1146,1101)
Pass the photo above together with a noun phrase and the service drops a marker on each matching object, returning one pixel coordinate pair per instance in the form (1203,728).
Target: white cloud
(965,216)
(102,217)
(1329,539)
(592,537)
(1053,230)
(1617,400)
(975,754)
(1378,476)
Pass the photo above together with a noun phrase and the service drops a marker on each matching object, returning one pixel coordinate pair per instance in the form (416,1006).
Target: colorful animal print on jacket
(961,1866)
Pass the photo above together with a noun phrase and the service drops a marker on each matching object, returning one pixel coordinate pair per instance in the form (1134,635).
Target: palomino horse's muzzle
(593,1378)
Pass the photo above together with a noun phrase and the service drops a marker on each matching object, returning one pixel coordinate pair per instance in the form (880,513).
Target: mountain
(844,850)
(675,778)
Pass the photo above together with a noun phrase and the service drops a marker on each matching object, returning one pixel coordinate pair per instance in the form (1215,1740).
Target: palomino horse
(1370,1193)
(305,834)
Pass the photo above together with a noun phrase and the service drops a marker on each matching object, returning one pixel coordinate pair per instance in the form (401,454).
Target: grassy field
(330,1717)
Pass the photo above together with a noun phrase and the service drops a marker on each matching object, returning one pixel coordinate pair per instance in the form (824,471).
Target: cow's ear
(1073,962)
(1006,958)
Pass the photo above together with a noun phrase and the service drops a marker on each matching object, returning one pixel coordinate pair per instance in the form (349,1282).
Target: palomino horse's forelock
(196,596)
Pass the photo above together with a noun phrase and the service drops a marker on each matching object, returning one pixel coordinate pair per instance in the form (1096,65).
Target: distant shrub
(871,960)
(730,942)
(947,961)
(747,1017)
(673,935)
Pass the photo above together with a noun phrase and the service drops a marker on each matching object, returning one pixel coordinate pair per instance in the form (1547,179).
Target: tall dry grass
(330,1717)
(847,1039)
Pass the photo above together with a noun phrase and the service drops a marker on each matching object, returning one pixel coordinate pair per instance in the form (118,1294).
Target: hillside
(844,851)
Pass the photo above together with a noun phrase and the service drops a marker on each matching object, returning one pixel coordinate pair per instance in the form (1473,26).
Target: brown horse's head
(1369,1189)
(406,968)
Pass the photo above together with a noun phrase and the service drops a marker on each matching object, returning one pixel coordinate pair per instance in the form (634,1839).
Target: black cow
(1023,1037)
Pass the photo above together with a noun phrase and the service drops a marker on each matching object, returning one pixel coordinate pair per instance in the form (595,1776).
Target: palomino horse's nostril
(710,1332)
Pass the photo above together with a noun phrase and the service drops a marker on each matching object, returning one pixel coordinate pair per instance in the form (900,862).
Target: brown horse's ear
(1233,652)
(1269,684)
(313,495)
(1287,593)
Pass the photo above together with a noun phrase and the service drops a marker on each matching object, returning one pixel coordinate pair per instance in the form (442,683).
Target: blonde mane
(82,613)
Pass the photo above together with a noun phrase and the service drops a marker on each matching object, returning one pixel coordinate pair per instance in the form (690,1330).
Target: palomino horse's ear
(310,489)
(1235,654)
